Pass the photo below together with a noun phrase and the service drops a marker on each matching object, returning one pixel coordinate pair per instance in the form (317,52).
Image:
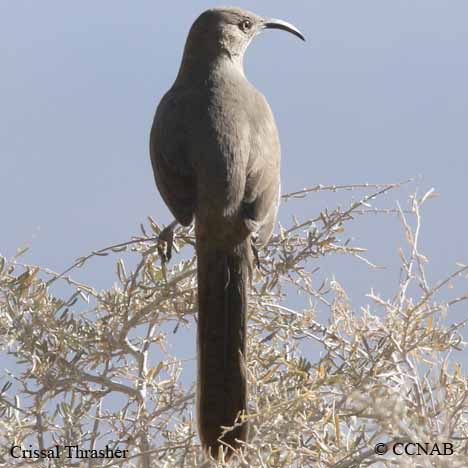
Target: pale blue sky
(378,93)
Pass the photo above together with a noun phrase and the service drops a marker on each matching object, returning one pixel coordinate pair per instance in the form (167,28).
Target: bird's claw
(255,253)
(166,242)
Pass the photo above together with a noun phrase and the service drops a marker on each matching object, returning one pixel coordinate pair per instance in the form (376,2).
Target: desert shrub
(99,367)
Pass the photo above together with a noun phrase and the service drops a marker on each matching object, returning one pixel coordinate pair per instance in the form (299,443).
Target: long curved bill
(273,23)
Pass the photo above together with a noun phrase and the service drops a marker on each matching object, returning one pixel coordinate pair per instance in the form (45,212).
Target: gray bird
(215,153)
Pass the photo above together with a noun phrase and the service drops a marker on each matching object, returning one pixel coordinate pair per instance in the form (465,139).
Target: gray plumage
(215,153)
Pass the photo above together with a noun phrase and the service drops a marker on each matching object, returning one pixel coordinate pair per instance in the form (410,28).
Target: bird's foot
(166,242)
(255,252)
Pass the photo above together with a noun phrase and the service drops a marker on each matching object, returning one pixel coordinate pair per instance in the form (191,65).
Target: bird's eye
(246,25)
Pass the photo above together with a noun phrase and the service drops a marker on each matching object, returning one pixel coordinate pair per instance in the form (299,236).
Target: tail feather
(223,277)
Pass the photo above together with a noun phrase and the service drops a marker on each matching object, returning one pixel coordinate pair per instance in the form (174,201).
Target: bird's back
(221,126)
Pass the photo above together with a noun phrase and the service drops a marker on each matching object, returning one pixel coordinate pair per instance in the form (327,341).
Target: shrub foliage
(96,368)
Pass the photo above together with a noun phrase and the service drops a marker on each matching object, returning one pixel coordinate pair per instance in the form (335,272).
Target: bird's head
(230,30)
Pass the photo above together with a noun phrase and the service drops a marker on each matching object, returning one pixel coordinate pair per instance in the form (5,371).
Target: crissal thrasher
(215,153)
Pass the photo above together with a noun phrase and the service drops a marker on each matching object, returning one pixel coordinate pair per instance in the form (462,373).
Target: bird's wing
(172,170)
(263,174)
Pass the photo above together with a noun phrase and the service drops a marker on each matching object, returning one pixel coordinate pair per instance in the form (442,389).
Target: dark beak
(272,23)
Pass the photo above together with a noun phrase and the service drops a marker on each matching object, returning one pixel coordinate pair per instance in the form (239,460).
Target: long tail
(223,279)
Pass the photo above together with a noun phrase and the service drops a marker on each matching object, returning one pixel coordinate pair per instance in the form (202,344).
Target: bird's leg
(166,236)
(253,240)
